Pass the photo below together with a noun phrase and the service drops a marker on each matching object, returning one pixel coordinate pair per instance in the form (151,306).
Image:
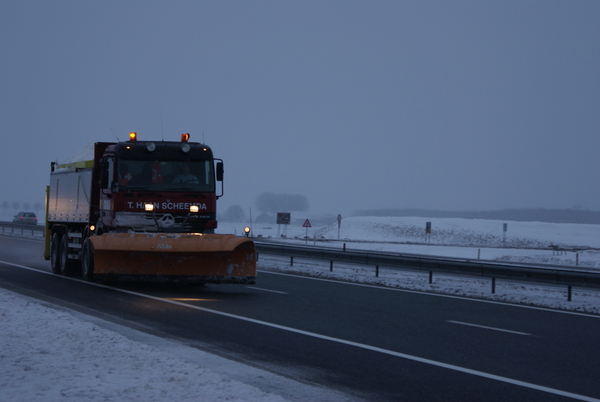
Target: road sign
(283,218)
(306,224)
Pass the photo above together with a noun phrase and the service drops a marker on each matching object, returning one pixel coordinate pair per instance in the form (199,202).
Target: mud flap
(200,258)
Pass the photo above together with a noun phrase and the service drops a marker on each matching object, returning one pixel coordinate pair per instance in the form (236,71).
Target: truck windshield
(197,176)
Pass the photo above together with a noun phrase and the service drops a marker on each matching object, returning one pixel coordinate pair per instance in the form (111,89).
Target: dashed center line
(492,328)
(268,290)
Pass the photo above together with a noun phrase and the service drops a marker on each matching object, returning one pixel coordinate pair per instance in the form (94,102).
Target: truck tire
(55,253)
(87,260)
(66,265)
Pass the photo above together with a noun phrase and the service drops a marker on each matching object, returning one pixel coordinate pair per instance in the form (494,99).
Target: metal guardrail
(527,273)
(19,228)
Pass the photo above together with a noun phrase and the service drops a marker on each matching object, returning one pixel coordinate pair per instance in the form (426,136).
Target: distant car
(25,217)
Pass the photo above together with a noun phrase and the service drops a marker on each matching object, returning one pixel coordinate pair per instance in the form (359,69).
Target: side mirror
(219,171)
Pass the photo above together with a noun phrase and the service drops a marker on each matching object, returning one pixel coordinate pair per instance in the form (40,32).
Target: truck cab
(158,187)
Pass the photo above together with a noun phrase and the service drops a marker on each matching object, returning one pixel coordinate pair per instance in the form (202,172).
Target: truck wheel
(87,260)
(55,253)
(65,264)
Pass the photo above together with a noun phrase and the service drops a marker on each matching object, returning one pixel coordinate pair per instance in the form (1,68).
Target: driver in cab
(185,176)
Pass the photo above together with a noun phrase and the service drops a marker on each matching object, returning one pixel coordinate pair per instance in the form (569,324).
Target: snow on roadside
(50,355)
(583,300)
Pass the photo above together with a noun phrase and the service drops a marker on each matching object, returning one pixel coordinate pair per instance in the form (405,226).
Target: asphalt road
(375,343)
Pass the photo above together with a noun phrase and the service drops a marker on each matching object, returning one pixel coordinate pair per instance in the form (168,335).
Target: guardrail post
(344,246)
(291,260)
(377,271)
(430,277)
(257,256)
(331,266)
(576,259)
(569,292)
(478,254)
(493,285)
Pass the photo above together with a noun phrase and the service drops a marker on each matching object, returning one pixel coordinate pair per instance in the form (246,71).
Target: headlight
(149,207)
(194,208)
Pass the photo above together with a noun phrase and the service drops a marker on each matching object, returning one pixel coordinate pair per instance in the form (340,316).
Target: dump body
(70,200)
(134,210)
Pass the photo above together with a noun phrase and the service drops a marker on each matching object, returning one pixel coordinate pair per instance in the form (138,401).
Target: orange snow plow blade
(197,258)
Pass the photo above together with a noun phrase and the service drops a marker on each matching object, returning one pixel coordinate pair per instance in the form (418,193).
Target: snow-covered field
(49,354)
(452,237)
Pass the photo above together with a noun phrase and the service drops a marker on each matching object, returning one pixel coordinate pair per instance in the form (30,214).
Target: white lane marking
(337,340)
(267,290)
(492,328)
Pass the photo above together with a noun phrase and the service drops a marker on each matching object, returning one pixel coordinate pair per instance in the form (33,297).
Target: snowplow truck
(136,210)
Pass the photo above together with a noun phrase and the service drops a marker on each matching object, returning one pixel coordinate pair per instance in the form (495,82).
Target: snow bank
(584,300)
(50,355)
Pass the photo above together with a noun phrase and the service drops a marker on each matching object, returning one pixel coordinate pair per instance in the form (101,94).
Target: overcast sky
(463,105)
